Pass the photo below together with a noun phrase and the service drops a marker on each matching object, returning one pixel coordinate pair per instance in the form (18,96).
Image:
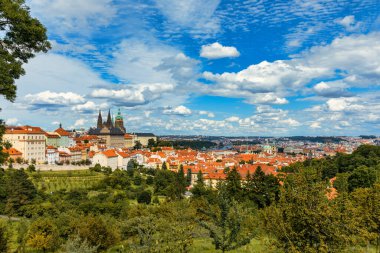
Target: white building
(52,155)
(30,141)
(108,158)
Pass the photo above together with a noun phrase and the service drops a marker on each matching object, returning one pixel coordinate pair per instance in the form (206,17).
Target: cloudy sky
(214,67)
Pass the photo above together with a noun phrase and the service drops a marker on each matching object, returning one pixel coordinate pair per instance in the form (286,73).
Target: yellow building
(30,141)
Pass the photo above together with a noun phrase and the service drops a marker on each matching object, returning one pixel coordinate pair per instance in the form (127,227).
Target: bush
(144,197)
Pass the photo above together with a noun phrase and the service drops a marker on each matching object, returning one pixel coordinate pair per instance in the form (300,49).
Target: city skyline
(213,67)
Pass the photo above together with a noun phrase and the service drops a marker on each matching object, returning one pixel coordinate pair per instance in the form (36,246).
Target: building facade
(29,140)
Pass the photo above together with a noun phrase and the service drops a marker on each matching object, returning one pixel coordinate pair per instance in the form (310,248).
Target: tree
(144,197)
(180,182)
(199,188)
(3,237)
(22,37)
(362,177)
(77,245)
(164,166)
(226,225)
(20,191)
(188,177)
(137,145)
(260,188)
(233,184)
(43,235)
(151,143)
(304,220)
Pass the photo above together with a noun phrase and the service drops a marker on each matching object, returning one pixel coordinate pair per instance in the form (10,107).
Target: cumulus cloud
(179,110)
(89,107)
(51,100)
(349,23)
(133,95)
(331,89)
(217,51)
(351,60)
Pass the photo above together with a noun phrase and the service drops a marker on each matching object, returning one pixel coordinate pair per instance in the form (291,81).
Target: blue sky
(213,67)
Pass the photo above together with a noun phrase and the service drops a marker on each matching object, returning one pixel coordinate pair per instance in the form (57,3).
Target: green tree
(43,235)
(164,166)
(3,237)
(22,37)
(362,177)
(20,191)
(188,177)
(260,188)
(233,184)
(144,197)
(304,220)
(77,245)
(226,224)
(199,188)
(137,145)
(180,182)
(151,143)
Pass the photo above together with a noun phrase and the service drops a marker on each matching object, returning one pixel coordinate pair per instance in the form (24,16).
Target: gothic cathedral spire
(100,120)
(109,120)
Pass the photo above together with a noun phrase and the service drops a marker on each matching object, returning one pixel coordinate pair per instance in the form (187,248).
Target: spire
(100,120)
(109,120)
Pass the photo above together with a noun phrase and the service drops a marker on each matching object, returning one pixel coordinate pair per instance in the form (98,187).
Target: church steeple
(109,120)
(119,123)
(100,120)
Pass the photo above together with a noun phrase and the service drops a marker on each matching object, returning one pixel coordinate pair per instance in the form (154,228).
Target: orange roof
(62,132)
(12,151)
(110,153)
(122,154)
(24,130)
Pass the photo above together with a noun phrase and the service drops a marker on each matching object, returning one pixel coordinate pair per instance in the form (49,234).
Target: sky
(206,67)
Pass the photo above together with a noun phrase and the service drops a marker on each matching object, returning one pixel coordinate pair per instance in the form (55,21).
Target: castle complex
(111,132)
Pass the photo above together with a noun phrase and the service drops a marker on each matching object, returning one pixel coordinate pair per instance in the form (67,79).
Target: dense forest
(145,210)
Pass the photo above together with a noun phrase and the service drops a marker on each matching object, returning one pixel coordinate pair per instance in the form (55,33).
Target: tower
(109,120)
(119,122)
(100,120)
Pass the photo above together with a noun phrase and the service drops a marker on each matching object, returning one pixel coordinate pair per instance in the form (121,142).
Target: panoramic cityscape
(189,126)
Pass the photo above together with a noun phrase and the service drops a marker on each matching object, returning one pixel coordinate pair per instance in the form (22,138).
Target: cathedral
(110,131)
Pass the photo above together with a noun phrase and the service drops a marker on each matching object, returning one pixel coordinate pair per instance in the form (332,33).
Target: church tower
(100,120)
(109,120)
(119,122)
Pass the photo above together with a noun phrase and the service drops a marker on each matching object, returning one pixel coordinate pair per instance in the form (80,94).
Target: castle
(111,132)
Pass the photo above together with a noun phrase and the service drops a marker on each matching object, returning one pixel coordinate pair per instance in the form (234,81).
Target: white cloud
(344,104)
(232,119)
(80,122)
(315,125)
(11,121)
(46,98)
(193,16)
(349,23)
(89,107)
(134,94)
(179,110)
(354,57)
(66,16)
(331,89)
(217,51)
(209,114)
